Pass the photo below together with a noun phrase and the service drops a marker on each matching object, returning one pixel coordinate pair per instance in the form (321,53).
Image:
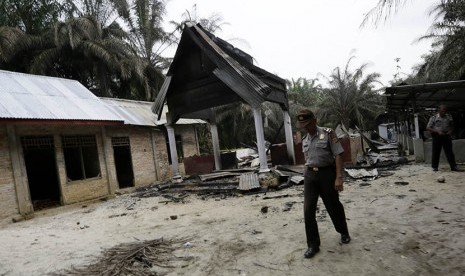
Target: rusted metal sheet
(248,181)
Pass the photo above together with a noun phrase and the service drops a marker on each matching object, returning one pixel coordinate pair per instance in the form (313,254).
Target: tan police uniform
(444,125)
(320,175)
(320,150)
(438,123)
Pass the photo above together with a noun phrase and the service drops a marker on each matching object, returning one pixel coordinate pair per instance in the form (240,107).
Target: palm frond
(382,11)
(12,41)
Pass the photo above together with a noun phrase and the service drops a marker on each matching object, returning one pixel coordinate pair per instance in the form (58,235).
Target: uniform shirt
(438,123)
(320,150)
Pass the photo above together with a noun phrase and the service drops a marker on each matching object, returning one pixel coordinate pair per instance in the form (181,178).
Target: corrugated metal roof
(230,67)
(181,121)
(256,85)
(426,96)
(159,103)
(140,113)
(132,112)
(248,181)
(25,96)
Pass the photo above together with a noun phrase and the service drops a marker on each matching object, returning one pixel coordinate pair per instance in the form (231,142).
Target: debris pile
(247,180)
(139,258)
(225,183)
(373,165)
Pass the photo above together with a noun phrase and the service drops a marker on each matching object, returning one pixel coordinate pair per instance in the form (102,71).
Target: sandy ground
(416,227)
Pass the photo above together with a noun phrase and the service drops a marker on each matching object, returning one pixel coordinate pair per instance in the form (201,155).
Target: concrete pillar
(260,140)
(417,126)
(172,143)
(289,138)
(111,173)
(418,149)
(215,141)
(60,160)
(19,174)
(154,152)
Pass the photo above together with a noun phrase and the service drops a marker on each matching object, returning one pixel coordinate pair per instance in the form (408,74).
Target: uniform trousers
(439,142)
(321,183)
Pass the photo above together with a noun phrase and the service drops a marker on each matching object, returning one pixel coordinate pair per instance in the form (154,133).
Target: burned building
(208,72)
(60,144)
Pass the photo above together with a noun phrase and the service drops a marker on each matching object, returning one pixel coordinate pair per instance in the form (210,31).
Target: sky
(309,38)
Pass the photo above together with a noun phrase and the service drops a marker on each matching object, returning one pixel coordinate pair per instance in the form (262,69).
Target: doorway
(41,169)
(123,161)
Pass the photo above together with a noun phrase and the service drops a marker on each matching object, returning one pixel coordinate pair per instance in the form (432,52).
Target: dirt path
(414,227)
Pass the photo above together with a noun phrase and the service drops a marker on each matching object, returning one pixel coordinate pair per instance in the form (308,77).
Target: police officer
(441,126)
(323,177)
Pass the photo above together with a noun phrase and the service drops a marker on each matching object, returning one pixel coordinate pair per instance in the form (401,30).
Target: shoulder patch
(327,129)
(333,137)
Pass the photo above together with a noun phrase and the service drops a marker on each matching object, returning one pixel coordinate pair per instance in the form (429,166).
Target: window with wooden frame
(81,157)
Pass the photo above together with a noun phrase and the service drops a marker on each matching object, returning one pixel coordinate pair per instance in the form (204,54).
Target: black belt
(317,169)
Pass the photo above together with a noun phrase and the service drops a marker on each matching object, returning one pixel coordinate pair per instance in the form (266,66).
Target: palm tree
(20,22)
(147,31)
(31,16)
(12,40)
(384,8)
(212,24)
(235,125)
(303,93)
(351,97)
(382,11)
(79,49)
(90,46)
(149,37)
(447,59)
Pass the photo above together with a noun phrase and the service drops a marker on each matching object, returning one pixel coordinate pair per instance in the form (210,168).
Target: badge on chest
(322,136)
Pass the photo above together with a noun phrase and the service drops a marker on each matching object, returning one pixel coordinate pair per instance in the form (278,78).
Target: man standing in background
(441,126)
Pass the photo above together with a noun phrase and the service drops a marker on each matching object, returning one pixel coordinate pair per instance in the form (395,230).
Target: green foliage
(235,125)
(212,24)
(351,98)
(31,16)
(304,92)
(447,59)
(205,139)
(12,40)
(147,33)
(91,45)
(382,11)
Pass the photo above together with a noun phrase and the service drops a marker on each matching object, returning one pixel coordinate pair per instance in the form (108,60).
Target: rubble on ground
(246,178)
(150,257)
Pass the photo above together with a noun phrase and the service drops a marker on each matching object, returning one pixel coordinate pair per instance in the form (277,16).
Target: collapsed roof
(207,72)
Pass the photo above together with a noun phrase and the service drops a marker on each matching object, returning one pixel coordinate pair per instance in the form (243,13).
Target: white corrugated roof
(132,112)
(25,96)
(140,113)
(181,121)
